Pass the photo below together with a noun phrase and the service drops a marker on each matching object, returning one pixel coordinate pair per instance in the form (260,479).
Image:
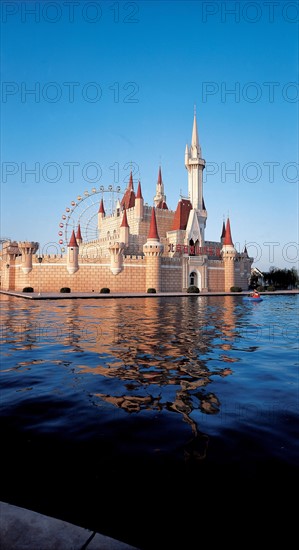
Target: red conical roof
(128,200)
(78,234)
(153,231)
(131,186)
(73,243)
(181,215)
(139,193)
(124,221)
(228,236)
(101,208)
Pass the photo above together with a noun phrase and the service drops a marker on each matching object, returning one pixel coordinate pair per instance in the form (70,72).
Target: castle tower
(27,248)
(160,197)
(124,229)
(72,259)
(229,253)
(195,165)
(101,214)
(79,236)
(139,203)
(153,250)
(245,268)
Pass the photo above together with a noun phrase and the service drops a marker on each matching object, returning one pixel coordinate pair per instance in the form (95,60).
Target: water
(152,420)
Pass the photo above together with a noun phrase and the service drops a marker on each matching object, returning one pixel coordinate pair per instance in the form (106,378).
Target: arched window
(193,278)
(191,248)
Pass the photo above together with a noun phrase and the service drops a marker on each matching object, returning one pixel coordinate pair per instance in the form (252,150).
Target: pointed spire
(124,221)
(160,176)
(228,237)
(101,208)
(78,234)
(153,231)
(195,141)
(73,243)
(223,231)
(159,197)
(245,250)
(139,193)
(131,185)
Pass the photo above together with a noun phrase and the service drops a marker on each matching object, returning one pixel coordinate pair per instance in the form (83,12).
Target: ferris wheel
(84,212)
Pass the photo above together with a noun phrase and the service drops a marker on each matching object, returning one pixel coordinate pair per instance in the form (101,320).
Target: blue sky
(115,85)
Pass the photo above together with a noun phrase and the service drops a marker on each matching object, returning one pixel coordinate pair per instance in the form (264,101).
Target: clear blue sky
(116,83)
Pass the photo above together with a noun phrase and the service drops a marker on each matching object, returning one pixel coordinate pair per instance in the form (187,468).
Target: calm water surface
(119,412)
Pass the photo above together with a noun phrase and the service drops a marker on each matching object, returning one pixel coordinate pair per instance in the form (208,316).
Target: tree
(281,278)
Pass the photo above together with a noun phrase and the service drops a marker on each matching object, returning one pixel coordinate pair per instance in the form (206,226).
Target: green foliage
(270,288)
(151,291)
(260,289)
(28,289)
(193,289)
(235,289)
(65,289)
(105,290)
(281,278)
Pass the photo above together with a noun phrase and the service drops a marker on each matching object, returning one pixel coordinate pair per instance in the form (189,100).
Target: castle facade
(138,247)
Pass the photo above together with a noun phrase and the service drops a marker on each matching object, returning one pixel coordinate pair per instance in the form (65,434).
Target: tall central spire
(195,146)
(195,165)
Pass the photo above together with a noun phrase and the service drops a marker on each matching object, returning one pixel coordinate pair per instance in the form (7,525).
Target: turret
(116,257)
(27,248)
(229,253)
(124,229)
(79,236)
(72,260)
(153,250)
(160,197)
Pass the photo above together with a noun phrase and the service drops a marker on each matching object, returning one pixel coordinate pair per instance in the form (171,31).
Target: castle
(138,247)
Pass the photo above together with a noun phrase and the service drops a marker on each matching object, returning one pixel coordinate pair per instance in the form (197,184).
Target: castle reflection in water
(161,353)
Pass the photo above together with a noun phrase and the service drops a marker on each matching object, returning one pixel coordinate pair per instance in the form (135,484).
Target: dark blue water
(152,420)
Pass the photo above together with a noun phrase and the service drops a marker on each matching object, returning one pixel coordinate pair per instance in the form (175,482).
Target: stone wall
(215,276)
(171,275)
(91,276)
